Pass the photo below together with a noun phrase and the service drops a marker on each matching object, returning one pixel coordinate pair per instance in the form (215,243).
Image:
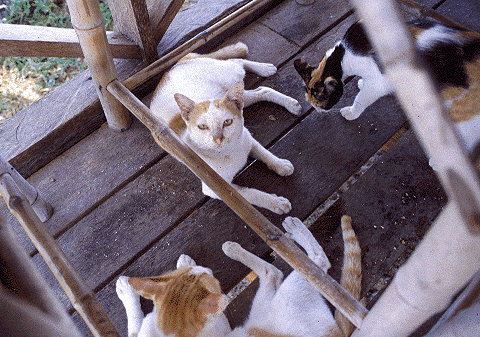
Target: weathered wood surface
(123,207)
(72,111)
(39,41)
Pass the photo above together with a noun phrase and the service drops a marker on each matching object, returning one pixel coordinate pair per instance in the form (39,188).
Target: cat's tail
(351,278)
(233,51)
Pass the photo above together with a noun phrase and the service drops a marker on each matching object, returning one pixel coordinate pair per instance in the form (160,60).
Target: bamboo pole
(24,294)
(82,298)
(449,255)
(42,208)
(88,23)
(285,247)
(197,41)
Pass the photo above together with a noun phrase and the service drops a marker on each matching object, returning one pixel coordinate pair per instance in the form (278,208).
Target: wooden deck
(123,206)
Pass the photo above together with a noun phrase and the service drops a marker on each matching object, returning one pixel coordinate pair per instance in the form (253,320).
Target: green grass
(37,74)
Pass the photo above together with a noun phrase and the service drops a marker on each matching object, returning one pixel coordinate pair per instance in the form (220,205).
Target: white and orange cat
(202,99)
(452,55)
(189,303)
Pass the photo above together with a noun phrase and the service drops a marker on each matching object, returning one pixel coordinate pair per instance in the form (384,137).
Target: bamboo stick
(78,292)
(197,41)
(42,208)
(170,142)
(449,254)
(25,294)
(88,23)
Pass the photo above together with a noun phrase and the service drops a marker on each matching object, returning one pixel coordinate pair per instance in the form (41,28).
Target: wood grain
(39,41)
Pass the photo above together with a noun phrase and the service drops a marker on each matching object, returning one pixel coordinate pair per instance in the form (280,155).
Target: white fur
(373,86)
(204,79)
(294,306)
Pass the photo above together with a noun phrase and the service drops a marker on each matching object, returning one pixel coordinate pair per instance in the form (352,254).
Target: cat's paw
(280,205)
(241,48)
(266,70)
(295,229)
(347,113)
(185,261)
(232,249)
(125,291)
(283,167)
(293,107)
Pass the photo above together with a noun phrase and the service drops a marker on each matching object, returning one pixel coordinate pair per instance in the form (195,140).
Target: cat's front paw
(185,261)
(232,249)
(266,70)
(348,113)
(283,167)
(125,291)
(294,107)
(280,205)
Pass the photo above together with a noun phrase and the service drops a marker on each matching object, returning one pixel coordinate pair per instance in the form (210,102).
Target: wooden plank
(39,41)
(132,19)
(465,13)
(32,137)
(82,177)
(300,24)
(391,205)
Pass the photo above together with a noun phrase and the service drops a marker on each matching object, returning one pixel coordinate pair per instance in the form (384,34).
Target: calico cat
(202,98)
(452,55)
(288,308)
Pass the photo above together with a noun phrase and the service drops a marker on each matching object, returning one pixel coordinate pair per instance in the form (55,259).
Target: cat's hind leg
(270,277)
(131,302)
(269,95)
(233,51)
(296,230)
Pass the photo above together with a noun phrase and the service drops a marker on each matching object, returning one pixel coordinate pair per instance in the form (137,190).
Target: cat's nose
(218,139)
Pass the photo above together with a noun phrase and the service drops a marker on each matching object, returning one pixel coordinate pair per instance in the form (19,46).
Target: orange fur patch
(464,103)
(317,73)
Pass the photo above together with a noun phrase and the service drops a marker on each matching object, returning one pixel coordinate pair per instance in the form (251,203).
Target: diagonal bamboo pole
(88,23)
(449,255)
(197,41)
(78,292)
(285,247)
(42,208)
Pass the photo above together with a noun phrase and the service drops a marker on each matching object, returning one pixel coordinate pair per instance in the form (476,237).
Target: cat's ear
(304,70)
(235,94)
(185,104)
(146,287)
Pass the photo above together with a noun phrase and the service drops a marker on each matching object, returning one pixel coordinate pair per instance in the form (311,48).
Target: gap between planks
(241,286)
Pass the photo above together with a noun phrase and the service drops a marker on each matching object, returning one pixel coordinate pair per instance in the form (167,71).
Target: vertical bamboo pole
(449,255)
(88,23)
(24,294)
(43,209)
(82,298)
(168,140)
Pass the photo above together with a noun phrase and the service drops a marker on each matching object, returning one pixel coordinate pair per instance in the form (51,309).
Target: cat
(202,98)
(281,308)
(452,55)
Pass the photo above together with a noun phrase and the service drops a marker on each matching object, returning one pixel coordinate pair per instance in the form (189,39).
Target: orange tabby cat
(189,303)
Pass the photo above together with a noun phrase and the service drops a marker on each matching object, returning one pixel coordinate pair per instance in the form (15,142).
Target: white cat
(202,98)
(188,301)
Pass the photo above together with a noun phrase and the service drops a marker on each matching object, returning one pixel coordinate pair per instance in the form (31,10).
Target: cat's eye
(227,122)
(203,127)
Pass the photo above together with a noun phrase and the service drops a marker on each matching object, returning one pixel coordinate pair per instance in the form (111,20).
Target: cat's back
(199,79)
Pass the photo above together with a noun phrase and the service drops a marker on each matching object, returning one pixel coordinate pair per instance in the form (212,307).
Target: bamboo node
(15,202)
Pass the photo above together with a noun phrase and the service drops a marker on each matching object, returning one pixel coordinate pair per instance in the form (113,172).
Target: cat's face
(323,89)
(185,299)
(216,123)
